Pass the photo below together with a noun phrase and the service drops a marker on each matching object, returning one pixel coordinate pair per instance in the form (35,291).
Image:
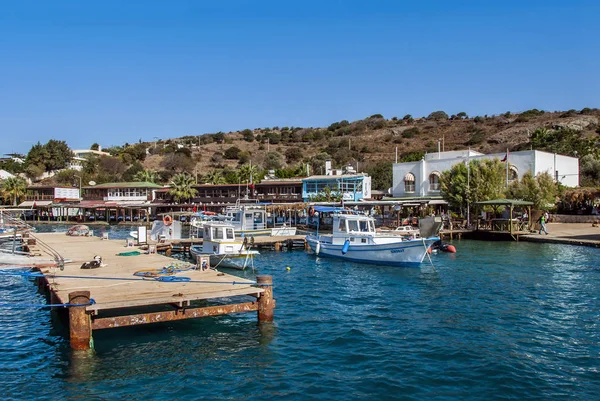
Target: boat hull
(405,253)
(238,261)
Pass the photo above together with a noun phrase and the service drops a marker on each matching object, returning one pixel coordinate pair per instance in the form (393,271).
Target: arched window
(513,173)
(409,182)
(434,181)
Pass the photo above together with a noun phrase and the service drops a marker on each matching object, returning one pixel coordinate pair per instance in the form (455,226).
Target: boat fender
(167,220)
(318,248)
(345,247)
(450,248)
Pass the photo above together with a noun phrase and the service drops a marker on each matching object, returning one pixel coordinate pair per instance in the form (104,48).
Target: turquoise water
(494,321)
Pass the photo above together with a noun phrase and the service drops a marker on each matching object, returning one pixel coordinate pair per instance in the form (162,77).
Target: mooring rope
(156,278)
(67,305)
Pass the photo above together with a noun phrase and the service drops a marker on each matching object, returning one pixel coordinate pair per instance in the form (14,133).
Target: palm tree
(182,187)
(13,187)
(214,177)
(145,176)
(248,172)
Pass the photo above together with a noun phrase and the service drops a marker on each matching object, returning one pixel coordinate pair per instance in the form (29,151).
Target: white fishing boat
(354,238)
(223,248)
(251,219)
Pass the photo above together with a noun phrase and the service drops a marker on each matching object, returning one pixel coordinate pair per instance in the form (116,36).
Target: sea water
(496,320)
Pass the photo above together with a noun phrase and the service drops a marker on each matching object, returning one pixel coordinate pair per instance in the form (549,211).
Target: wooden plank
(110,292)
(167,316)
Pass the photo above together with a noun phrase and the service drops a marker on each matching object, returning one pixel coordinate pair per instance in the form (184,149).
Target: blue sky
(118,71)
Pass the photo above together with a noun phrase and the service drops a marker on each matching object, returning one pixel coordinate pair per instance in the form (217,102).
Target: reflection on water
(495,320)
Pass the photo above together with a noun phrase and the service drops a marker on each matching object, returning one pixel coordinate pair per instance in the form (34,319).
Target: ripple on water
(495,320)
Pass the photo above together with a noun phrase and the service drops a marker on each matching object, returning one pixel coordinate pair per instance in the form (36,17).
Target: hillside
(369,143)
(375,139)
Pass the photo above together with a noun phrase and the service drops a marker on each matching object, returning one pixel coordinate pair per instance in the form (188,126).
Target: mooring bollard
(80,323)
(266,304)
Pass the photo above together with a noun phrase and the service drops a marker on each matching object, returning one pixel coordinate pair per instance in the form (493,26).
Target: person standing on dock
(542,220)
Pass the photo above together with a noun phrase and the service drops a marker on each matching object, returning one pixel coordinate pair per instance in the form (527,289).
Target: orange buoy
(168,220)
(450,248)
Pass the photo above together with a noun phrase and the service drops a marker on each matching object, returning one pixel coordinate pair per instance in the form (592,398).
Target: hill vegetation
(369,144)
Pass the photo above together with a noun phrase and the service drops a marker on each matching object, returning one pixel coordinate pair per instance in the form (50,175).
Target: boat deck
(114,286)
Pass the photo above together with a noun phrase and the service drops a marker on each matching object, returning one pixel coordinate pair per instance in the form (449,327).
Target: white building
(81,155)
(421,179)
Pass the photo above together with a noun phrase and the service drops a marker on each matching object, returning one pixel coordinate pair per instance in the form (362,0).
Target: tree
(590,171)
(145,176)
(232,153)
(248,135)
(94,146)
(462,115)
(485,180)
(274,161)
(182,187)
(293,154)
(59,155)
(219,137)
(37,156)
(248,173)
(214,177)
(13,188)
(178,162)
(381,175)
(438,115)
(541,190)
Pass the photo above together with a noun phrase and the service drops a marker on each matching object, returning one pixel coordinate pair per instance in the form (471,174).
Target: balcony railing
(39,197)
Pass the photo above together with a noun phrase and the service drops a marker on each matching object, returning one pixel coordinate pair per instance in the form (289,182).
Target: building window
(409,182)
(434,181)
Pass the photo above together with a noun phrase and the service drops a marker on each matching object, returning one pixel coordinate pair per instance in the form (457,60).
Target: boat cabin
(247,217)
(219,238)
(353,224)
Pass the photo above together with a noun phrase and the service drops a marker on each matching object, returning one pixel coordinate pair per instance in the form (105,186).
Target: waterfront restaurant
(49,202)
(120,201)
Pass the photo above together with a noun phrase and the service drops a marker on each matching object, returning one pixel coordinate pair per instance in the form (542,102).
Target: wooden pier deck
(114,287)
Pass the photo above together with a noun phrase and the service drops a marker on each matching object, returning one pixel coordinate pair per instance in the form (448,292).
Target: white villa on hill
(420,180)
(80,155)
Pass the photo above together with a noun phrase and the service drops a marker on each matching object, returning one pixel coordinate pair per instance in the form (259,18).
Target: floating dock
(116,291)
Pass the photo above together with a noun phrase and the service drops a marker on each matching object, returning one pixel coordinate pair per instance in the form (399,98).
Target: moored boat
(354,238)
(223,248)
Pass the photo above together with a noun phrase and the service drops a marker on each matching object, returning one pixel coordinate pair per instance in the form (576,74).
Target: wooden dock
(116,290)
(260,242)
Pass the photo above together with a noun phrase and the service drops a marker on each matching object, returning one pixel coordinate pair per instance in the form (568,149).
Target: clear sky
(118,71)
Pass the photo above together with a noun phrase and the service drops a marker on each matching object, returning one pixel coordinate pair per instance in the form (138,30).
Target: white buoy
(317,248)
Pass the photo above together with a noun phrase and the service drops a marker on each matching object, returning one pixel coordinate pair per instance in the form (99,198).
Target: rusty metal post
(266,303)
(80,323)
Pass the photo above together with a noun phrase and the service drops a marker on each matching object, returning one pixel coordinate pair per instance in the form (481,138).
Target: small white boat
(223,248)
(354,238)
(23,259)
(407,231)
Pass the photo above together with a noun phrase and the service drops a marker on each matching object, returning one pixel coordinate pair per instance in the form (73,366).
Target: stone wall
(574,218)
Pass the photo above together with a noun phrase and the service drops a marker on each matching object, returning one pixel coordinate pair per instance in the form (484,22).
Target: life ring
(168,220)
(311,211)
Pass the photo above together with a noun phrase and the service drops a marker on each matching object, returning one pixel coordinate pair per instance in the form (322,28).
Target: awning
(438,202)
(35,203)
(409,177)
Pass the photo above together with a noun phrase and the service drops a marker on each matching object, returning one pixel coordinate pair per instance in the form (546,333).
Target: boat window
(342,226)
(352,225)
(230,233)
(206,232)
(219,233)
(364,226)
(371,226)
